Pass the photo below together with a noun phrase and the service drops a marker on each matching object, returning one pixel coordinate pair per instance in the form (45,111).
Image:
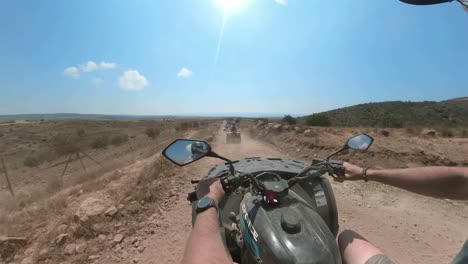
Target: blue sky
(158,57)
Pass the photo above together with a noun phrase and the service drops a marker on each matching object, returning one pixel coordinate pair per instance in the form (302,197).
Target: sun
(230,6)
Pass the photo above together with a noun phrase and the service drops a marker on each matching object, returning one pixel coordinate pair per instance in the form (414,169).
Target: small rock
(135,260)
(309,133)
(99,227)
(90,208)
(111,211)
(28,260)
(80,248)
(102,237)
(44,254)
(62,228)
(69,249)
(61,239)
(141,249)
(93,257)
(118,238)
(120,206)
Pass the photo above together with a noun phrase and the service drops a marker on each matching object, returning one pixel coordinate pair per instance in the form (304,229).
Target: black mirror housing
(185,151)
(359,142)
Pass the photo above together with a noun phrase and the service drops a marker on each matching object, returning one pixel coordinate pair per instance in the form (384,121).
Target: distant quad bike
(233,137)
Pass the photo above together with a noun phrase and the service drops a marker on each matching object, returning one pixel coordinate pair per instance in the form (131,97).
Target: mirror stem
(216,155)
(336,152)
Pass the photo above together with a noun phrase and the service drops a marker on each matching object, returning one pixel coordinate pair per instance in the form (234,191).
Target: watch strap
(212,203)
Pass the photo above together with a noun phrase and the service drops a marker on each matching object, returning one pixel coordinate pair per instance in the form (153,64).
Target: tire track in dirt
(409,228)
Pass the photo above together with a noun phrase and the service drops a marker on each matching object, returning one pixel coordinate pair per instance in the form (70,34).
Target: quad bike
(275,210)
(233,137)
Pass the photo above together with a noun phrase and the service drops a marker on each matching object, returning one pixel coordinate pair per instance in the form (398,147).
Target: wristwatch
(205,203)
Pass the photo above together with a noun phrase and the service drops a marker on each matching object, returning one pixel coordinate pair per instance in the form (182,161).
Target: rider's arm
(205,244)
(442,182)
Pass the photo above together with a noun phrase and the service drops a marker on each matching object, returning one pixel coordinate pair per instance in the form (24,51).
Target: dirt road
(409,228)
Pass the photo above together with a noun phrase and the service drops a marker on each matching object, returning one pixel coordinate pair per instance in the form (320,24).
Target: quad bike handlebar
(231,182)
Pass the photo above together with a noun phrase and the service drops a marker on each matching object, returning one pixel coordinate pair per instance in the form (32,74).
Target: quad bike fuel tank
(289,232)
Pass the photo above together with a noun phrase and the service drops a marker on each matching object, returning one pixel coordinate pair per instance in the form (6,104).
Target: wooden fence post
(6,177)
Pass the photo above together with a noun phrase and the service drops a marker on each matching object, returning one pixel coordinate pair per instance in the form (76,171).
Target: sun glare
(230,6)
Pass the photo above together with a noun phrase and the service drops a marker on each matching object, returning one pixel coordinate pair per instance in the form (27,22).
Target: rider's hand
(212,188)
(352,173)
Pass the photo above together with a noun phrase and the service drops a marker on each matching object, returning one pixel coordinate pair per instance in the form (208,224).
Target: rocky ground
(141,215)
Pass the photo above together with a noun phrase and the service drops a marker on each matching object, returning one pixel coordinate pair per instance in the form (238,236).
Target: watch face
(204,202)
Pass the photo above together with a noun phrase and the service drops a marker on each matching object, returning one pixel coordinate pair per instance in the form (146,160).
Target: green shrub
(318,120)
(183,126)
(152,132)
(32,161)
(100,142)
(289,120)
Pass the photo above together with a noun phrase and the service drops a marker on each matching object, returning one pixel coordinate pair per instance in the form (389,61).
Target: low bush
(80,132)
(32,161)
(119,140)
(318,120)
(446,132)
(289,120)
(100,142)
(464,133)
(152,132)
(66,144)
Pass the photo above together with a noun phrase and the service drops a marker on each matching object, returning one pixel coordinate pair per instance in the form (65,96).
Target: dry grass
(446,132)
(413,131)
(94,179)
(36,211)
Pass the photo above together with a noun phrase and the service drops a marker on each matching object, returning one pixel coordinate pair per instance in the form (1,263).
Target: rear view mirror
(360,142)
(185,151)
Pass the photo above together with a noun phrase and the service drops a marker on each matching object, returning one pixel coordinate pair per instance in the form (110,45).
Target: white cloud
(72,72)
(184,73)
(89,66)
(132,80)
(97,81)
(106,65)
(282,2)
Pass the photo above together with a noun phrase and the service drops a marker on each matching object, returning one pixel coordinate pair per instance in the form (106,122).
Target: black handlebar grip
(340,170)
(192,197)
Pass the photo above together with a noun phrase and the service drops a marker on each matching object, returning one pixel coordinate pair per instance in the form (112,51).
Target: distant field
(35,143)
